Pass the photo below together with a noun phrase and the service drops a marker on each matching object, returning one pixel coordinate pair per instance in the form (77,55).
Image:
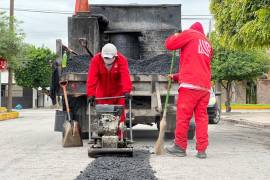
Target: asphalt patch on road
(120,168)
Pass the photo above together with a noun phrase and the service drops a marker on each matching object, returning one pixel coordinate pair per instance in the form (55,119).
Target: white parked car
(213,109)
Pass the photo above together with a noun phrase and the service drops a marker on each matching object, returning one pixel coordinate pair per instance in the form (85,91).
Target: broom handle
(169,85)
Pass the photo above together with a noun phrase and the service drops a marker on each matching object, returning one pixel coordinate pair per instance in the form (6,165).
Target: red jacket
(195,56)
(106,83)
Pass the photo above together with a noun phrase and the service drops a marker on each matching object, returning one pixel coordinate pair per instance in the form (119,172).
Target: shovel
(159,146)
(72,130)
(83,42)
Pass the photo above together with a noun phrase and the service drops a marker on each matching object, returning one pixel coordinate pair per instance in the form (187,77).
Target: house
(27,97)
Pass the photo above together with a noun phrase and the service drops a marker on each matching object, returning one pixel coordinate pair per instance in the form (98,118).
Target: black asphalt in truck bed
(120,168)
(157,65)
(77,64)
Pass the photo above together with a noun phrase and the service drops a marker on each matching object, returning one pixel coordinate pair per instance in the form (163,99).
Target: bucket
(60,117)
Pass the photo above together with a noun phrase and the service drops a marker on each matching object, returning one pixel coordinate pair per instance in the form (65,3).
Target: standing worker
(108,76)
(194,78)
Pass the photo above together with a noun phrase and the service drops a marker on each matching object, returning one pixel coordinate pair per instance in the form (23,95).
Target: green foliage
(10,41)
(35,72)
(242,23)
(236,65)
(233,65)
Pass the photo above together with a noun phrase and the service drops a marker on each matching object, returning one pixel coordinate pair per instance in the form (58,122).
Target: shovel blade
(77,134)
(71,135)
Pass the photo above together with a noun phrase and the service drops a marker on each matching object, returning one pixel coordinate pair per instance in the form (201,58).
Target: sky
(44,28)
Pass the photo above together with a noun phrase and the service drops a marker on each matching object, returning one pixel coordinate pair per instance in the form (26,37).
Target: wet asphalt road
(31,150)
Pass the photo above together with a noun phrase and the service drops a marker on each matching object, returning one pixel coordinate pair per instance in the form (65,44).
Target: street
(99,63)
(30,149)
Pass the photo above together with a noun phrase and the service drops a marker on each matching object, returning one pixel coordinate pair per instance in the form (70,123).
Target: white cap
(109,51)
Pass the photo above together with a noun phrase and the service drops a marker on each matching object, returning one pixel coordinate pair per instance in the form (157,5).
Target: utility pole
(10,70)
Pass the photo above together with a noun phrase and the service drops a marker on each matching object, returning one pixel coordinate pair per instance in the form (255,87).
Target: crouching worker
(108,76)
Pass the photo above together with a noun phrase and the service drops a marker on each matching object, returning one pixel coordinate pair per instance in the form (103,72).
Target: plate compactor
(106,136)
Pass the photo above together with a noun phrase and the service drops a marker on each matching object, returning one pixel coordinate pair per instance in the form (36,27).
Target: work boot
(176,150)
(201,155)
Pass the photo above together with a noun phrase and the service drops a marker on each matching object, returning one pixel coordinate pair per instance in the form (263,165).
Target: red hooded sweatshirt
(195,56)
(102,82)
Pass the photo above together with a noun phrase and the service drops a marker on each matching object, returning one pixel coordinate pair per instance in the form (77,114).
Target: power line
(207,15)
(69,12)
(196,18)
(40,11)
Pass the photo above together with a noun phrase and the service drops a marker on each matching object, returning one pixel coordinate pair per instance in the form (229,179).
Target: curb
(247,107)
(248,123)
(9,115)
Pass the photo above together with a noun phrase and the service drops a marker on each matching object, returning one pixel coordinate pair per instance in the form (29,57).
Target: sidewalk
(256,118)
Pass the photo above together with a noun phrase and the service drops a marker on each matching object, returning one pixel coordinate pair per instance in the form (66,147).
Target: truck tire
(215,119)
(191,130)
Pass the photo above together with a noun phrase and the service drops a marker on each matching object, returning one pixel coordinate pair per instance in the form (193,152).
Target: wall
(263,91)
(238,93)
(23,96)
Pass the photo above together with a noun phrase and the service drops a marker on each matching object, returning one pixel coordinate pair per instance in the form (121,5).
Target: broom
(159,146)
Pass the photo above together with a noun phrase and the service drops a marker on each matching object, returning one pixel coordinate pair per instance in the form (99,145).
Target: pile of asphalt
(120,168)
(77,64)
(157,65)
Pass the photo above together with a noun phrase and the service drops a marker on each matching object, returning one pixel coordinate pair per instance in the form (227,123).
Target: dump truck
(138,32)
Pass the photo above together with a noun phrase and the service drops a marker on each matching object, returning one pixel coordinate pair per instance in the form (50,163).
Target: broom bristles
(159,146)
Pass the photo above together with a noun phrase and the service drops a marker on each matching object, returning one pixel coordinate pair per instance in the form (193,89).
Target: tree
(10,41)
(11,38)
(36,70)
(242,23)
(231,65)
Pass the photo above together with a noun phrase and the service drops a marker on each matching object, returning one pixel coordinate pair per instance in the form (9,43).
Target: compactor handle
(113,97)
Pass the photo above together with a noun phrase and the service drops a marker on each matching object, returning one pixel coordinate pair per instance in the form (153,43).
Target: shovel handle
(63,84)
(83,42)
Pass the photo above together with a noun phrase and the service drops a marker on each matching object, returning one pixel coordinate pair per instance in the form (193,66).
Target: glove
(91,100)
(127,96)
(122,126)
(170,76)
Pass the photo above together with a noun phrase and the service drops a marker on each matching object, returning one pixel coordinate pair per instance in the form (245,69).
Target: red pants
(192,101)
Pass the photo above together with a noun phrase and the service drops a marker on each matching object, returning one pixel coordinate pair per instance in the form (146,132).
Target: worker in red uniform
(194,78)
(109,76)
